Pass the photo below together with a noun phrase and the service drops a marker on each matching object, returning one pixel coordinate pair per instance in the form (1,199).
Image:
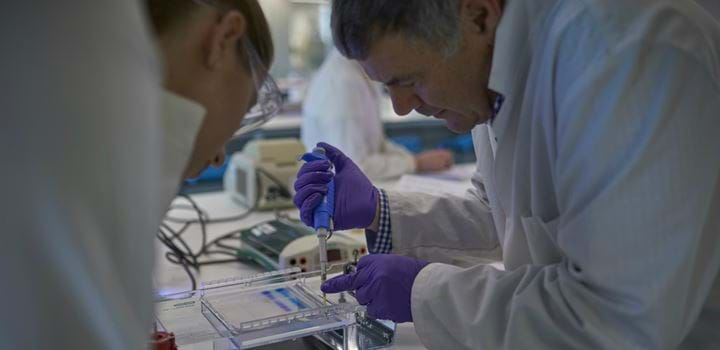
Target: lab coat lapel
(486,167)
(515,246)
(511,57)
(509,78)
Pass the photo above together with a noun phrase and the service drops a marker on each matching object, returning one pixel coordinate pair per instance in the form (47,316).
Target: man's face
(419,78)
(453,88)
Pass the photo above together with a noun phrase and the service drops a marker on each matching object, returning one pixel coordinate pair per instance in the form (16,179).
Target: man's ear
(223,38)
(481,17)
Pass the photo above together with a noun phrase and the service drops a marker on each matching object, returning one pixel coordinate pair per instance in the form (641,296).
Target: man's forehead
(390,58)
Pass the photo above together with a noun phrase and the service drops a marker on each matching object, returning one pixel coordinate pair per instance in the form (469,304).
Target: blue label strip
(286,293)
(269,295)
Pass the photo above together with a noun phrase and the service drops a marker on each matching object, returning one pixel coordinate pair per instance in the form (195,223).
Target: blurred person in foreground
(98,151)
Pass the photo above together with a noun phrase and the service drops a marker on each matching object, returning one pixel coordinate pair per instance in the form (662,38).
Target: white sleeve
(638,182)
(444,228)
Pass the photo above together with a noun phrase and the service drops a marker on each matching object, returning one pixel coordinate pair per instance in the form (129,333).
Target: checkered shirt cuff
(383,238)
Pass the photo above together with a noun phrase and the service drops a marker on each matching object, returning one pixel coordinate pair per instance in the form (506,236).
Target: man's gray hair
(358,24)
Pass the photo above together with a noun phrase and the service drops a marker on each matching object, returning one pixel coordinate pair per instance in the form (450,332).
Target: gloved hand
(383,282)
(356,199)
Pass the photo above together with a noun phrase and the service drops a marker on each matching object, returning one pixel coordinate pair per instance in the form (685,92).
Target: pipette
(322,216)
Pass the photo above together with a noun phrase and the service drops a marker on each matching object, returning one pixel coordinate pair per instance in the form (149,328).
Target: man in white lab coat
(596,130)
(343,108)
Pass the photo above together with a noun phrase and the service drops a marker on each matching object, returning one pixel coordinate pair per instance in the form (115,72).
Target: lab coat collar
(181,119)
(511,47)
(511,56)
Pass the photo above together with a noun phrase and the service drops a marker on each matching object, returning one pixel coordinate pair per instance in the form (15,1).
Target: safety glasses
(268,98)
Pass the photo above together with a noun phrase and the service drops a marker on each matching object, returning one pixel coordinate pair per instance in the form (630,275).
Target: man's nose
(404,100)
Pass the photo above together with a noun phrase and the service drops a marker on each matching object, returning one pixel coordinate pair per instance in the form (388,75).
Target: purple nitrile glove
(383,282)
(355,195)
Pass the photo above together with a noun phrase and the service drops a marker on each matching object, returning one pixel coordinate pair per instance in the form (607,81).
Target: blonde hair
(165,15)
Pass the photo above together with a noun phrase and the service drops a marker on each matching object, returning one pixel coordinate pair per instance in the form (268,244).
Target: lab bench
(170,278)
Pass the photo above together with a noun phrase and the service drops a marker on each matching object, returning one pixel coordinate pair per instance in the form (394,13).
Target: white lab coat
(91,169)
(80,133)
(342,108)
(603,190)
(711,6)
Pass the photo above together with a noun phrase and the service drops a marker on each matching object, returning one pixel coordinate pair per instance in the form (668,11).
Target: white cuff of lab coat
(421,232)
(422,287)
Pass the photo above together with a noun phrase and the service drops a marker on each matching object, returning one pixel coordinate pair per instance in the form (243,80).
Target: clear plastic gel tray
(243,313)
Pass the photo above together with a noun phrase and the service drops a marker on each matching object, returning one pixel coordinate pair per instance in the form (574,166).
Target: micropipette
(322,216)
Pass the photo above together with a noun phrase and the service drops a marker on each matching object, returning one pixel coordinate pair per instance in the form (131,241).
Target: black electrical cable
(201,221)
(176,236)
(180,253)
(284,191)
(193,282)
(204,216)
(175,250)
(177,256)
